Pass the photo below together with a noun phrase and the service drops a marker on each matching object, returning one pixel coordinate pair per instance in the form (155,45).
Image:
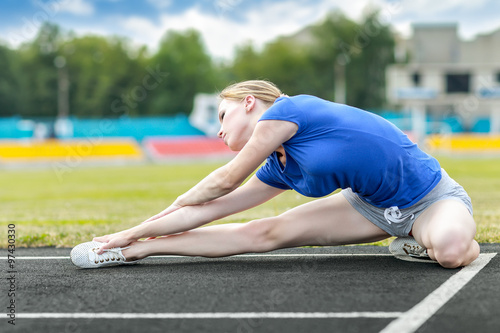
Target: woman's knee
(447,229)
(262,234)
(450,257)
(455,251)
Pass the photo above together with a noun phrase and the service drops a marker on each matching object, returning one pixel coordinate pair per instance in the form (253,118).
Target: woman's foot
(85,256)
(407,248)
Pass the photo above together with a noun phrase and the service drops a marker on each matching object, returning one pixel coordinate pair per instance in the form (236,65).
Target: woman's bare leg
(447,230)
(327,221)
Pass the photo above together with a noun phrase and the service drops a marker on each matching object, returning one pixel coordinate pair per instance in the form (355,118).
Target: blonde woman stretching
(389,188)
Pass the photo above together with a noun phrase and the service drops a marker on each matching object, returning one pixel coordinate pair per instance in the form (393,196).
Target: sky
(225,24)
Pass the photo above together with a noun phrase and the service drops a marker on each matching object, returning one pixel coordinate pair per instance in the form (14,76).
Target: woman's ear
(249,102)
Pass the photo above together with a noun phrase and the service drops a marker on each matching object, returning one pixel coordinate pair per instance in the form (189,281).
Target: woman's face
(235,123)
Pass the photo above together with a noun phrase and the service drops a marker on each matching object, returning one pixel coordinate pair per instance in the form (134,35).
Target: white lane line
(235,256)
(209,315)
(411,320)
(36,258)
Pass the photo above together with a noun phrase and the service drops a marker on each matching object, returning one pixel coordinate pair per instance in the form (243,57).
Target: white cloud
(221,33)
(160,4)
(221,30)
(471,16)
(426,8)
(260,25)
(44,11)
(77,7)
(141,30)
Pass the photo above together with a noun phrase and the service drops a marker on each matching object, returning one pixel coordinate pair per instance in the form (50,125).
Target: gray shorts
(398,222)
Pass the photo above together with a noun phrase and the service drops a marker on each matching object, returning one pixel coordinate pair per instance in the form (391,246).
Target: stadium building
(448,81)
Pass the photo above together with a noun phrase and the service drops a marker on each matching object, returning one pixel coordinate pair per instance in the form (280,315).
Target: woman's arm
(252,194)
(266,138)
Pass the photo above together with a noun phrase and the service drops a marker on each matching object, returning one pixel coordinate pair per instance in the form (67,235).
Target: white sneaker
(84,255)
(407,248)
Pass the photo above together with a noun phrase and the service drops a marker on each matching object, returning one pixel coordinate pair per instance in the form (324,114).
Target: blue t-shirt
(339,146)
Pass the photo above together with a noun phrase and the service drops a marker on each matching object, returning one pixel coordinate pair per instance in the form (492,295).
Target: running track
(331,289)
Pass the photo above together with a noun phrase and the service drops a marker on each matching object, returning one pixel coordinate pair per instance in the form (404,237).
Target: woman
(389,188)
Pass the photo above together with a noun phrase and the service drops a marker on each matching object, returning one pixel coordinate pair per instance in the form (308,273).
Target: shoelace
(415,250)
(394,215)
(108,255)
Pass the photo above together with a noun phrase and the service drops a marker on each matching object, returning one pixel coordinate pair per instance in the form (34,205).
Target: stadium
(101,131)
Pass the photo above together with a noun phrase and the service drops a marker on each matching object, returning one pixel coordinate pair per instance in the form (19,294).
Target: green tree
(247,64)
(366,74)
(11,90)
(357,52)
(282,61)
(39,79)
(329,51)
(188,70)
(109,78)
(102,73)
(289,65)
(334,51)
(105,80)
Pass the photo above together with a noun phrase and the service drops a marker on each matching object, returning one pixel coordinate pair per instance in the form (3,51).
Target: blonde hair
(264,90)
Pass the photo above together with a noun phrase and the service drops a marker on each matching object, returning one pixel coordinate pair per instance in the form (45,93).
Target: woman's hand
(119,239)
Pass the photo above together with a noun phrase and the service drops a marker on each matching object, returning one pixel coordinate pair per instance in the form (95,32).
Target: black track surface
(359,283)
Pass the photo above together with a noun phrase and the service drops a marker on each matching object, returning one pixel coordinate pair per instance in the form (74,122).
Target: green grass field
(53,209)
